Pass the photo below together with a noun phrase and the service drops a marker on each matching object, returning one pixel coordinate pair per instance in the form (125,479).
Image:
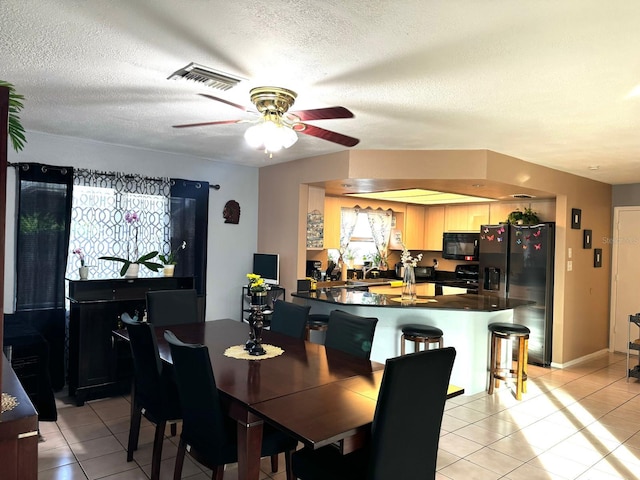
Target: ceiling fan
(276,126)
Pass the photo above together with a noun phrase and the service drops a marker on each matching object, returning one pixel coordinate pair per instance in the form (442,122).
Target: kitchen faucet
(366,270)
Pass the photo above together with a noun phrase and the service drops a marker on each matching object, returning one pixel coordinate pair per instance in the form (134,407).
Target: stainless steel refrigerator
(516,261)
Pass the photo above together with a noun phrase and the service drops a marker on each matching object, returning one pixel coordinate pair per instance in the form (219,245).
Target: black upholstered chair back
(171,307)
(290,319)
(350,333)
(406,425)
(204,427)
(152,383)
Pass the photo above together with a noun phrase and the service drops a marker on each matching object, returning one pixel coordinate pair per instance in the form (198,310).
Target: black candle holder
(256,324)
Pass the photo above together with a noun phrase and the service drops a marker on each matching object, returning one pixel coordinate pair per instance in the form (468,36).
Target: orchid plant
(80,254)
(170,259)
(406,258)
(132,219)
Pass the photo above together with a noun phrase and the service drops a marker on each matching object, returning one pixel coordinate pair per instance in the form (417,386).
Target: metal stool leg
(520,368)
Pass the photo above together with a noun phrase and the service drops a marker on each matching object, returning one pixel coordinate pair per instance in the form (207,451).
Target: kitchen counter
(463,319)
(386,297)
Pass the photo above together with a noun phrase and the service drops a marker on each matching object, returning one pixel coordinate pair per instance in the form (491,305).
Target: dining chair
(406,425)
(290,319)
(350,333)
(208,434)
(154,392)
(170,307)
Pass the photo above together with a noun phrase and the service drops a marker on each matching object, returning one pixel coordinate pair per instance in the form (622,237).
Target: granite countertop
(471,302)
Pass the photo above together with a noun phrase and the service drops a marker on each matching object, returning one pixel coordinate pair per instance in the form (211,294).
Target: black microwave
(460,246)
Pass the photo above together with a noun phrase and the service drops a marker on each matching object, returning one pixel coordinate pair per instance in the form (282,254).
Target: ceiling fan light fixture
(270,135)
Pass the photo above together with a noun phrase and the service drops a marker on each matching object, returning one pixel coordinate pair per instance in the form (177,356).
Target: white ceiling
(549,82)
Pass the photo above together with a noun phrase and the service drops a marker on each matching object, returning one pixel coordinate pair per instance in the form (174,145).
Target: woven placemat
(9,402)
(417,300)
(238,351)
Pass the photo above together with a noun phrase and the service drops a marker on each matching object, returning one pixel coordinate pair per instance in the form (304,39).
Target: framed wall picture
(586,239)
(576,215)
(597,257)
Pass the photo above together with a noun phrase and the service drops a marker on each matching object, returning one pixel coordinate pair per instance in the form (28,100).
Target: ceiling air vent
(522,195)
(210,77)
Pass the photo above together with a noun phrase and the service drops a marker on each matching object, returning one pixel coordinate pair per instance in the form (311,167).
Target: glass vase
(409,285)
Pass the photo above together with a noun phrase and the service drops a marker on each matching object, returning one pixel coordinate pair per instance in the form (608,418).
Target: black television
(267,265)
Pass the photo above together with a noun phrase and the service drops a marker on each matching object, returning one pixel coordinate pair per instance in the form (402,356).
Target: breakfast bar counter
(463,318)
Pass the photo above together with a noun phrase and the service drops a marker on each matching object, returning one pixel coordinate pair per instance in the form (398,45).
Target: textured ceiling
(550,82)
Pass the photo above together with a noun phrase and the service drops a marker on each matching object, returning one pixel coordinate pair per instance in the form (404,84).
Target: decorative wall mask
(231,212)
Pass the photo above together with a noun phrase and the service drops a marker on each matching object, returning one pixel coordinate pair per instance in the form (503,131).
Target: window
(98,227)
(361,245)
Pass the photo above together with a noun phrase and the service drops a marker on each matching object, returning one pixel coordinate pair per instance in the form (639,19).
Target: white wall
(230,246)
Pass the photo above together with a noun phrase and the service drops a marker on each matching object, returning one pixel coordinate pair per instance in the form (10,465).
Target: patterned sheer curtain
(380,222)
(98,226)
(348,219)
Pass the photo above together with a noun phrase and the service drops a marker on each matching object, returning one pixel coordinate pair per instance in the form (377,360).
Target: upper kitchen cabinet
(465,218)
(315,219)
(332,221)
(433,227)
(414,227)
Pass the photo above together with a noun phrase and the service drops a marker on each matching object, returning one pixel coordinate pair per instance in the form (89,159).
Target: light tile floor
(582,423)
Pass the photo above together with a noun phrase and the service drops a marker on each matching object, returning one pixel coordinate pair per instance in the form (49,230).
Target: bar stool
(497,371)
(420,334)
(318,322)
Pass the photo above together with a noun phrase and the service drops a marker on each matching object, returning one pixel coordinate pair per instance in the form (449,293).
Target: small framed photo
(597,257)
(576,215)
(586,239)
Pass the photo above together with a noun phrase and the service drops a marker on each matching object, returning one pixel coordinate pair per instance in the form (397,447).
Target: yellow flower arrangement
(256,283)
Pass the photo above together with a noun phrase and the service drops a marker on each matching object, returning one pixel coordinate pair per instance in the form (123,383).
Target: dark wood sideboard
(19,432)
(99,365)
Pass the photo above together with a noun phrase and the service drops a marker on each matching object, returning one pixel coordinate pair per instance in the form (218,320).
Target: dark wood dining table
(317,395)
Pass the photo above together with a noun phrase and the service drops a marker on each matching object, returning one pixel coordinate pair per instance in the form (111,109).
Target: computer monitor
(267,265)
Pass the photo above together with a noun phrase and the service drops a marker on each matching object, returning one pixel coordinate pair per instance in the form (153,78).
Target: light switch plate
(570,252)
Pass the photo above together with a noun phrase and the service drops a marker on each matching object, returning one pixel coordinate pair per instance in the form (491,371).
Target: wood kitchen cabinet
(465,218)
(433,227)
(332,222)
(414,227)
(99,366)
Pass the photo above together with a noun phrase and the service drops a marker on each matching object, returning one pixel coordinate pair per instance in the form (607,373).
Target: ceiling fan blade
(221,122)
(326,134)
(217,99)
(322,113)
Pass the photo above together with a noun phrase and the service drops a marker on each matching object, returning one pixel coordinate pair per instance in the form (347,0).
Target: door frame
(614,272)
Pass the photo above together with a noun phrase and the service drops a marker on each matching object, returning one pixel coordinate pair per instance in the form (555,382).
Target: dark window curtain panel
(44,218)
(189,222)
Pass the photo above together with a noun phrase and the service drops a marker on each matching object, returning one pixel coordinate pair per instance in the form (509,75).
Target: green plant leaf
(115,259)
(147,256)
(16,130)
(124,268)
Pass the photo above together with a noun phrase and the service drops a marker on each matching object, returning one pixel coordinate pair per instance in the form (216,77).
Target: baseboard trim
(571,363)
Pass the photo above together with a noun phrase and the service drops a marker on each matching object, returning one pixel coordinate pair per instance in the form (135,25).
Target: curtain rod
(44,168)
(64,170)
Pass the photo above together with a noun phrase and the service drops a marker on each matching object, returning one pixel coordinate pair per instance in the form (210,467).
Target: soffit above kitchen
(469,189)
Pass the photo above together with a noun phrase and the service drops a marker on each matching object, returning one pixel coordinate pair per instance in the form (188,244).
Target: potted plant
(16,130)
(169,261)
(257,289)
(131,267)
(83,271)
(528,217)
